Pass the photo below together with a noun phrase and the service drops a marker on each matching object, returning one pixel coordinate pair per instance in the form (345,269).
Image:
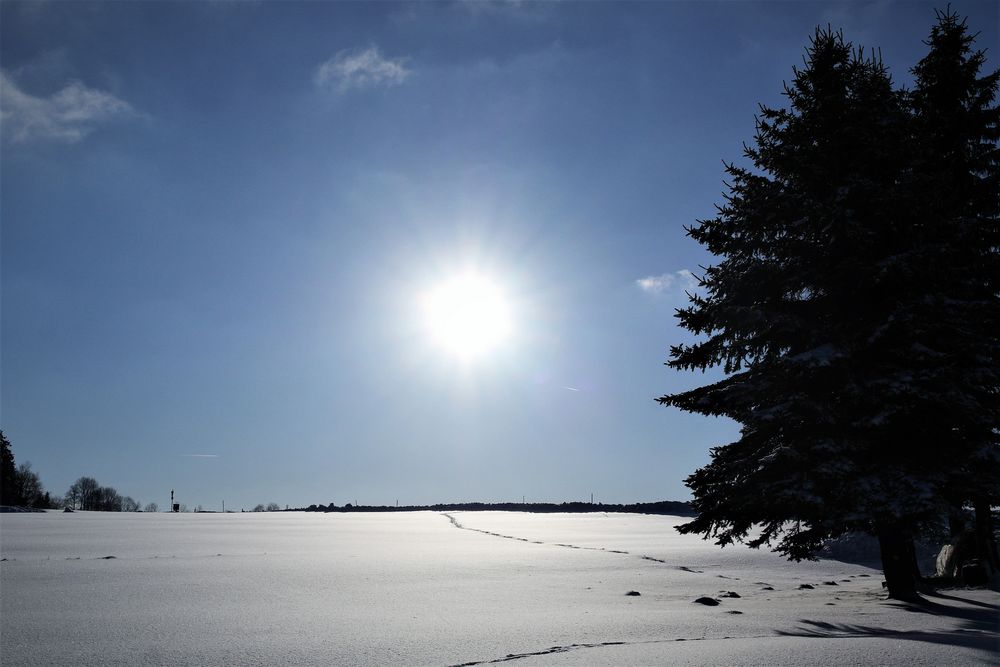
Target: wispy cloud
(67,115)
(201,456)
(361,68)
(665,282)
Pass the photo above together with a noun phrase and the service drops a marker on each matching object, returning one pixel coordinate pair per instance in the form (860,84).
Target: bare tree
(259,508)
(72,497)
(151,507)
(130,504)
(28,486)
(273,507)
(83,493)
(108,499)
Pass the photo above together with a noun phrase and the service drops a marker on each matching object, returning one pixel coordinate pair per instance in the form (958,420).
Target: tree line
(668,507)
(21,486)
(270,507)
(855,310)
(87,494)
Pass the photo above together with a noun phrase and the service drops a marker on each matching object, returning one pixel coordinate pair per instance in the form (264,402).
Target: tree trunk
(898,562)
(956,523)
(986,544)
(911,558)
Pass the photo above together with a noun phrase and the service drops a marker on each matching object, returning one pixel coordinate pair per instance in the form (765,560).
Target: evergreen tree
(956,180)
(7,473)
(793,313)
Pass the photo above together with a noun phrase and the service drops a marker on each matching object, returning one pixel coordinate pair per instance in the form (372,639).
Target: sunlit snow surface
(430,589)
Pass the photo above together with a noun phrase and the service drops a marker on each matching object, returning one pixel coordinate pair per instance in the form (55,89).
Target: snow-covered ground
(425,588)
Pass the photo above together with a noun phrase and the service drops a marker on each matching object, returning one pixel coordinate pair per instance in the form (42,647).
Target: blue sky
(218,220)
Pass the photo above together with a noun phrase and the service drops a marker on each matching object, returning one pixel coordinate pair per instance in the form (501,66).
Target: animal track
(458,525)
(576,647)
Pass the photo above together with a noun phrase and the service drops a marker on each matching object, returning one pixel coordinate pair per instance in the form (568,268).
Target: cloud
(361,69)
(67,115)
(656,285)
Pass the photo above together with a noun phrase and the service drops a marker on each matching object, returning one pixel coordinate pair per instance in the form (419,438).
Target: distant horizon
(401,505)
(479,505)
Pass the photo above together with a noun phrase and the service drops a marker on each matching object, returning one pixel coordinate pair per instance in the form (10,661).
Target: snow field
(424,588)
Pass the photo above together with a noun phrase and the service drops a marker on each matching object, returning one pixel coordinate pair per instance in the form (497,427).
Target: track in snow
(458,525)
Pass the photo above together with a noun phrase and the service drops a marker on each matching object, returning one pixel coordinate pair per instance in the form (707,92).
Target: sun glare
(467,316)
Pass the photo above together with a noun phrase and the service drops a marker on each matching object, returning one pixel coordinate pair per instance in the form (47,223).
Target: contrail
(571,388)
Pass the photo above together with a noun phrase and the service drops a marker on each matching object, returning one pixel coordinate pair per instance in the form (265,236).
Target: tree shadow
(977,625)
(995,609)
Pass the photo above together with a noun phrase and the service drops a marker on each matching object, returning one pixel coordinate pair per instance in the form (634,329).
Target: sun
(467,315)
